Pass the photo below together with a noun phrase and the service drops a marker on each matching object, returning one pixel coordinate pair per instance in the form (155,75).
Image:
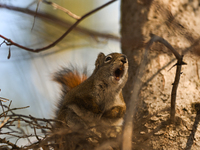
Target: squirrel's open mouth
(118,73)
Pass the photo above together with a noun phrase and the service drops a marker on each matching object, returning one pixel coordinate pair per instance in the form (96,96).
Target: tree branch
(9,42)
(58,21)
(179,63)
(9,143)
(174,89)
(56,6)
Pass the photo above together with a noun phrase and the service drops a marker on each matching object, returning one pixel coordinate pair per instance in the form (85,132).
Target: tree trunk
(132,20)
(154,83)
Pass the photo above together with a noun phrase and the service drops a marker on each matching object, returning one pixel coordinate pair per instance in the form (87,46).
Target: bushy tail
(69,78)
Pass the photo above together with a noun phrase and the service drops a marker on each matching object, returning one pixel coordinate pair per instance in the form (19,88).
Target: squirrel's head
(113,67)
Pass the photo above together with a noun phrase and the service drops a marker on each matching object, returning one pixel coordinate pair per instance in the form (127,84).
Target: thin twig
(25,135)
(3,99)
(56,6)
(9,143)
(18,132)
(8,107)
(197,70)
(34,118)
(36,134)
(14,109)
(36,11)
(4,122)
(2,109)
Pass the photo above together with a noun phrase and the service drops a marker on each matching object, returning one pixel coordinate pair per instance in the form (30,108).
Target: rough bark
(133,17)
(139,18)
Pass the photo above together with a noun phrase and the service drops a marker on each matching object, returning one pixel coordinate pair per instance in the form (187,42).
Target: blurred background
(26,78)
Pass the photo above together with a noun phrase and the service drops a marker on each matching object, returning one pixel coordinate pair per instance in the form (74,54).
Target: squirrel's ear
(100,60)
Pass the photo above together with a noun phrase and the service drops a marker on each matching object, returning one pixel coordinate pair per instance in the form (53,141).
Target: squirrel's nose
(124,59)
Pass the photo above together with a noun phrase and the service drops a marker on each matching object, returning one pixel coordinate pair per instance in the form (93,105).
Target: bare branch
(36,134)
(155,38)
(179,63)
(174,89)
(9,143)
(36,11)
(60,22)
(4,99)
(56,6)
(4,122)
(10,42)
(13,109)
(9,107)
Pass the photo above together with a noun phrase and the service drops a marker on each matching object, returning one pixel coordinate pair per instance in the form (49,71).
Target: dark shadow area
(142,133)
(190,140)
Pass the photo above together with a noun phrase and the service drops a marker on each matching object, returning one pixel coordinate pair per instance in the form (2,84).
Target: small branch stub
(9,53)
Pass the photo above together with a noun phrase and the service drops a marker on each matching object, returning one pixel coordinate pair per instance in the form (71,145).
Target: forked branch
(178,65)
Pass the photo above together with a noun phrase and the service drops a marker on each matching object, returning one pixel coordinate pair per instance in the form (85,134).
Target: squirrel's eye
(108,58)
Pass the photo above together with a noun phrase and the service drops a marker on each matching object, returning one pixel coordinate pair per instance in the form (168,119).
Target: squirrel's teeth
(118,73)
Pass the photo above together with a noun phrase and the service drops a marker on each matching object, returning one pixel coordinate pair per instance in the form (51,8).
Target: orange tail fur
(69,78)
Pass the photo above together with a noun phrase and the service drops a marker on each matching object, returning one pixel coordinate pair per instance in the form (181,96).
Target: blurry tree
(150,92)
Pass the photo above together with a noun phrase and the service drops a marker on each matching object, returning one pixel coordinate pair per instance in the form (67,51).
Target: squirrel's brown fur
(97,100)
(69,78)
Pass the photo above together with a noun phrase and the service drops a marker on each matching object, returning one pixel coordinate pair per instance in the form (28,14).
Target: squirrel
(97,100)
